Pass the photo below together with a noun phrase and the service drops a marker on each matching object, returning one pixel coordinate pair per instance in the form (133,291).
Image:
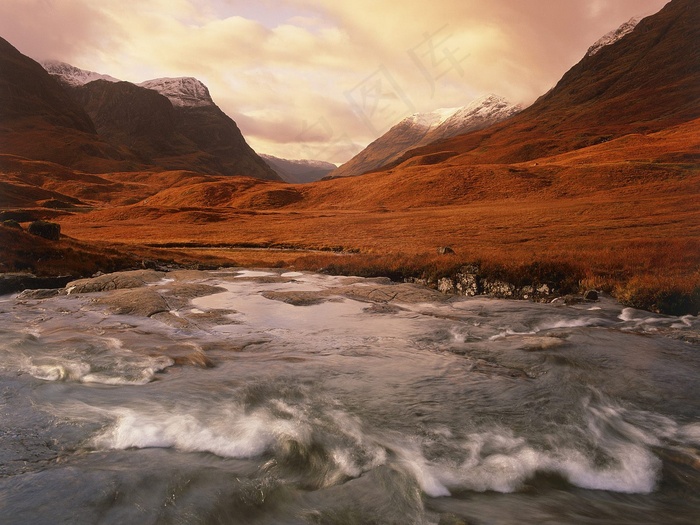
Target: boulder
(590,295)
(445,250)
(467,282)
(498,288)
(47,230)
(446,285)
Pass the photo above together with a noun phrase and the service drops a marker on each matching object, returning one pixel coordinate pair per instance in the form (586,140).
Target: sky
(320,79)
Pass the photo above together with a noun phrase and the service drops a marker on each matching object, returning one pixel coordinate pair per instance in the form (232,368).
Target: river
(268,396)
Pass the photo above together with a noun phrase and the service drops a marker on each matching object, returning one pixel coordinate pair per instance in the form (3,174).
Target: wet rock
(16,282)
(382,308)
(446,285)
(143,302)
(535,343)
(590,295)
(47,230)
(401,293)
(467,281)
(179,294)
(300,298)
(198,359)
(526,291)
(115,281)
(452,519)
(445,250)
(42,293)
(498,288)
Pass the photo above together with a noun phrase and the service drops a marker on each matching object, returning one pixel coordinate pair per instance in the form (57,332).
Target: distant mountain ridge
(73,76)
(181,91)
(299,171)
(169,122)
(422,129)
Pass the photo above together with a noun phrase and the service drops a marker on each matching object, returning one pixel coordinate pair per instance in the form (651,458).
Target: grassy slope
(622,215)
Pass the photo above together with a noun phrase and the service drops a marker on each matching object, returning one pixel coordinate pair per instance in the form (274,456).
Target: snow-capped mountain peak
(613,36)
(182,91)
(73,76)
(431,119)
(479,113)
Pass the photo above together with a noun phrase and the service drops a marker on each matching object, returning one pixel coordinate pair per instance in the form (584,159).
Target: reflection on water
(343,400)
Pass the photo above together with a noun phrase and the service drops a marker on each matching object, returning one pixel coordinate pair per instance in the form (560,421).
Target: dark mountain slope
(39,120)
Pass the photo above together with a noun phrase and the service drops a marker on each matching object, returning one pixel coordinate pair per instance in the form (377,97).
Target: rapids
(272,397)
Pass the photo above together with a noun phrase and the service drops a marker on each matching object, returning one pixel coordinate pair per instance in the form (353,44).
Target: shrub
(47,230)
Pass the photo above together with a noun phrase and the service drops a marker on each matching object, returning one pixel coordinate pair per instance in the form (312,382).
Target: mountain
(421,129)
(480,114)
(613,36)
(171,123)
(134,119)
(68,75)
(39,120)
(646,81)
(184,91)
(201,121)
(299,171)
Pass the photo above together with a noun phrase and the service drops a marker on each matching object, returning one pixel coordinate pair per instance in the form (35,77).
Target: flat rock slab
(371,292)
(144,302)
(115,281)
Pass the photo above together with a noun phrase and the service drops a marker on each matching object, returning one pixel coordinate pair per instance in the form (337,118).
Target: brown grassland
(622,216)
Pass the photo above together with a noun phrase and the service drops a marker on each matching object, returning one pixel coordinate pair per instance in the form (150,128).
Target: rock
(543,289)
(16,282)
(144,302)
(399,293)
(382,308)
(590,295)
(445,250)
(114,281)
(526,291)
(446,285)
(498,288)
(467,282)
(197,358)
(297,298)
(47,230)
(41,293)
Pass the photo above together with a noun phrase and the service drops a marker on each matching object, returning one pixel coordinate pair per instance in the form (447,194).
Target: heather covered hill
(644,82)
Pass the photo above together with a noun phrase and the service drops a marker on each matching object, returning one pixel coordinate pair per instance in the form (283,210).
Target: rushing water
(333,406)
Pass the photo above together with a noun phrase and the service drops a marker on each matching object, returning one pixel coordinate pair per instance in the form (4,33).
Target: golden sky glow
(321,79)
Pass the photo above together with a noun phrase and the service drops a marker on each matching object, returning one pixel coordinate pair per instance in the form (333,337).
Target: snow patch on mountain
(181,91)
(431,119)
(613,36)
(479,113)
(446,122)
(73,76)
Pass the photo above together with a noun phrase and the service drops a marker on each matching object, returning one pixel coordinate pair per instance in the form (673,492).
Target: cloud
(319,77)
